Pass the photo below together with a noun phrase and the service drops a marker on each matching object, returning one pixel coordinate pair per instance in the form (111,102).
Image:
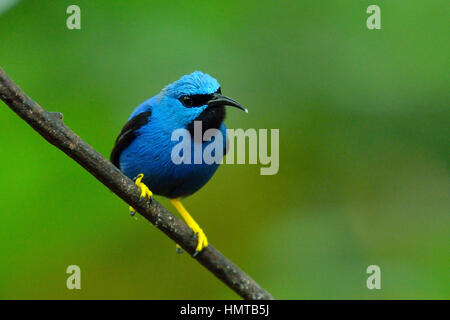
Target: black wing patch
(127,135)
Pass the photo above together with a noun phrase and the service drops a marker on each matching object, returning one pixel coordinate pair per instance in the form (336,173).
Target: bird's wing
(127,135)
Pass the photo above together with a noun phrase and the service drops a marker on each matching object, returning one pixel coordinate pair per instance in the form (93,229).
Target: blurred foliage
(364,153)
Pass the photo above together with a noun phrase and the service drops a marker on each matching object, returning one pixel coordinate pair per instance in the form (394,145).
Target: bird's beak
(220,100)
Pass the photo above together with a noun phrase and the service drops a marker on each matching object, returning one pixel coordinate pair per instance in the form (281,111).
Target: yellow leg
(202,240)
(145,191)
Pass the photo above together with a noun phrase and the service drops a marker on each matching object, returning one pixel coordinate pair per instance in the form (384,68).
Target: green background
(364,147)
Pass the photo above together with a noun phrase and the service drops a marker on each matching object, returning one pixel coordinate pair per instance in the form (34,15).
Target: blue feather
(150,150)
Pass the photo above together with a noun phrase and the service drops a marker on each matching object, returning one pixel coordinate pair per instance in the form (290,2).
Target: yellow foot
(179,249)
(145,191)
(202,241)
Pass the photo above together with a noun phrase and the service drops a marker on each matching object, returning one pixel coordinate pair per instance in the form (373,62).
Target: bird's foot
(202,241)
(145,191)
(201,244)
(179,249)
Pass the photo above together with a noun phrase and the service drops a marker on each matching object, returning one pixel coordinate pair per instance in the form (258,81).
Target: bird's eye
(187,101)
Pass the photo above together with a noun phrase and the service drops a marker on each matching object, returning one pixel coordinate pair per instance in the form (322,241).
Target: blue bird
(143,149)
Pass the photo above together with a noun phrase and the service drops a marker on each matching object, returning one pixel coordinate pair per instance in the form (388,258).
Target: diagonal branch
(50,126)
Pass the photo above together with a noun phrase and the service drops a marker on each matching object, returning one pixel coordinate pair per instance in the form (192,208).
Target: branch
(50,126)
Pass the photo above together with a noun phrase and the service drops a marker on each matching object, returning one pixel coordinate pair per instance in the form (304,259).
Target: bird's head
(196,96)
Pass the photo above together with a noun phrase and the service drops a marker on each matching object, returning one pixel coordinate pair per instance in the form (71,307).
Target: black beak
(219,100)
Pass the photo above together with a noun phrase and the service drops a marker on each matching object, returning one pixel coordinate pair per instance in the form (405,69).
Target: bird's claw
(145,191)
(179,249)
(201,244)
(202,241)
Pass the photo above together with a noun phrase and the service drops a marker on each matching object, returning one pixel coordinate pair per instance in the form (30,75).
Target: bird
(143,148)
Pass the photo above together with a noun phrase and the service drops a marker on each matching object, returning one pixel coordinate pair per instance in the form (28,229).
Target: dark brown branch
(51,127)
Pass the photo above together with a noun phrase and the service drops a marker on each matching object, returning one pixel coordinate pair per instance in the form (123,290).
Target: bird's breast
(152,153)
